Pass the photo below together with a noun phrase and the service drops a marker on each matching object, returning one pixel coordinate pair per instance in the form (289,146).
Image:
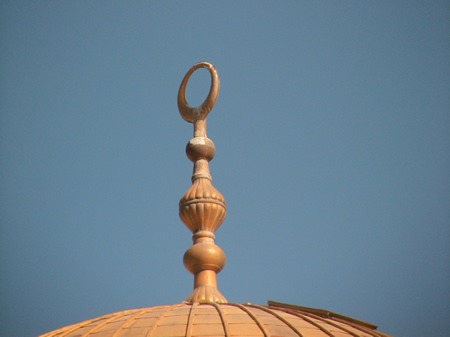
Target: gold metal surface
(220,319)
(193,115)
(203,207)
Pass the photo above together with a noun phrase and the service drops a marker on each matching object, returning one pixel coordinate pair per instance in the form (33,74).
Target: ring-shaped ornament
(191,114)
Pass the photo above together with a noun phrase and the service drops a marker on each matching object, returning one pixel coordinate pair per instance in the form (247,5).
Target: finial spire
(203,207)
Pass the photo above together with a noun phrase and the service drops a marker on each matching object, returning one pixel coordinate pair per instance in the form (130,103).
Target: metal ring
(189,113)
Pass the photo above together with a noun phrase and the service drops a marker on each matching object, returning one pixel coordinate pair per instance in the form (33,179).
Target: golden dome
(219,319)
(206,312)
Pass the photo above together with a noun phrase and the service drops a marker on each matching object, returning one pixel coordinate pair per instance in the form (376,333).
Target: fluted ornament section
(203,207)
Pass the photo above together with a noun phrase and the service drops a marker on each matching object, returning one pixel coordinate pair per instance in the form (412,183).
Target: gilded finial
(203,207)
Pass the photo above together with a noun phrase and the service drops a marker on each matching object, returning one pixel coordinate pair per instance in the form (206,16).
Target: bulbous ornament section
(204,256)
(205,260)
(203,207)
(200,148)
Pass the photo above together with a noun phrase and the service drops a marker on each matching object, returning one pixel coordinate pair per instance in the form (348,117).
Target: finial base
(206,294)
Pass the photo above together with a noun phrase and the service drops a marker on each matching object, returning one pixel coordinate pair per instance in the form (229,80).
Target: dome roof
(221,319)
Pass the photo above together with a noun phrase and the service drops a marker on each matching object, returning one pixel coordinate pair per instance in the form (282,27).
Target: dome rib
(253,317)
(317,325)
(104,323)
(190,320)
(130,321)
(71,328)
(361,328)
(160,318)
(322,313)
(306,315)
(226,327)
(277,316)
(365,330)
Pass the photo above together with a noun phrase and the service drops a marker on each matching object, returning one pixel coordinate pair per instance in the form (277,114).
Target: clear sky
(332,137)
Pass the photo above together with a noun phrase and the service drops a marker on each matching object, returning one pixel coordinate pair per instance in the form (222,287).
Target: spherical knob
(203,256)
(200,148)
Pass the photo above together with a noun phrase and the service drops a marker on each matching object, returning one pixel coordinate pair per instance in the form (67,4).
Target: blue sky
(332,138)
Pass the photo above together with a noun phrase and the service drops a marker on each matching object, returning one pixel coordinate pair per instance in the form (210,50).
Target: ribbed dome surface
(225,320)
